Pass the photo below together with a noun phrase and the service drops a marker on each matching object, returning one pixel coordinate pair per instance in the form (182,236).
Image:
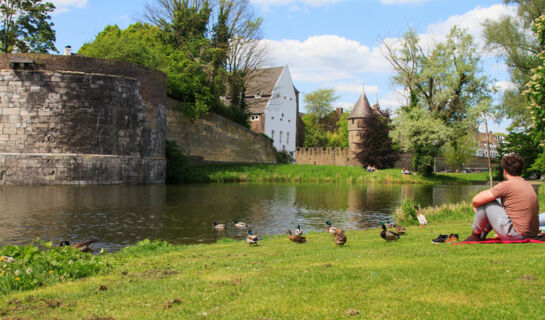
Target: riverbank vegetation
(291,173)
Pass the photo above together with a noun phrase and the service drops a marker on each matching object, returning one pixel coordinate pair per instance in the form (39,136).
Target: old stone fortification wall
(342,157)
(326,156)
(215,139)
(78,120)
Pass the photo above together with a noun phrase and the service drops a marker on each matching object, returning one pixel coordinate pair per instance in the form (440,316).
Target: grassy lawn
(292,173)
(408,279)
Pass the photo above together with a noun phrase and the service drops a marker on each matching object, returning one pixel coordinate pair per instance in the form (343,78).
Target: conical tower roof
(362,108)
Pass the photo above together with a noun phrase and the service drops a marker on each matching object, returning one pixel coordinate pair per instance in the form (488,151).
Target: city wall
(78,120)
(215,139)
(344,157)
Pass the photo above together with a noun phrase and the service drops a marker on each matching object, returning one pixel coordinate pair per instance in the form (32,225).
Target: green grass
(291,173)
(409,279)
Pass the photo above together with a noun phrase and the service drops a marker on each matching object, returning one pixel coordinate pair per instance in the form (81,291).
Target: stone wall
(342,157)
(77,120)
(215,139)
(325,156)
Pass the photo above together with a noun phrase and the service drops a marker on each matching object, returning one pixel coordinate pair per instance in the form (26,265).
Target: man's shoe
(442,238)
(453,237)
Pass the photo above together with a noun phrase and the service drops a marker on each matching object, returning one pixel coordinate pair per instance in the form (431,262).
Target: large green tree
(26,26)
(319,103)
(535,94)
(511,37)
(445,84)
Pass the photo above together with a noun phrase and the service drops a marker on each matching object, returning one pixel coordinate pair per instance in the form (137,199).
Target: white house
(273,102)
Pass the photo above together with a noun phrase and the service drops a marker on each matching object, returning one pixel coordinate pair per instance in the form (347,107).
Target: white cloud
(504,85)
(327,58)
(65,5)
(471,20)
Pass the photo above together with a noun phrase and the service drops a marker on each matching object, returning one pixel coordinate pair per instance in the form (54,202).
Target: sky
(325,43)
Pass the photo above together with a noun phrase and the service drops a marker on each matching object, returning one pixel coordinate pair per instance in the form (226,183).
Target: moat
(118,216)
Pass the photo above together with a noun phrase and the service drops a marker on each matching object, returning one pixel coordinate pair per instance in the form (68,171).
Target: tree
(418,130)
(512,38)
(319,103)
(535,94)
(376,147)
(465,149)
(445,84)
(521,143)
(26,27)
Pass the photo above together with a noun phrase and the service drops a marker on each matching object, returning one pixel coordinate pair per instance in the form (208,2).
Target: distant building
(273,102)
(482,151)
(361,110)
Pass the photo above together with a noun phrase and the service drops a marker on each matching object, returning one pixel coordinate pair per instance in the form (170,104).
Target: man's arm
(483,197)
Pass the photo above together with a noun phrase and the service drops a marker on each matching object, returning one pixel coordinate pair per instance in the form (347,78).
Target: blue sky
(325,43)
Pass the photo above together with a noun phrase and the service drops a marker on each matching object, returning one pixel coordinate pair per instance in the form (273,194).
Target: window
(289,120)
(272,118)
(272,134)
(280,137)
(287,138)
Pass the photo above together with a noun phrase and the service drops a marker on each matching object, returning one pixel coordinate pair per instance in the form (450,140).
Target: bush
(178,168)
(283,157)
(407,213)
(33,267)
(234,114)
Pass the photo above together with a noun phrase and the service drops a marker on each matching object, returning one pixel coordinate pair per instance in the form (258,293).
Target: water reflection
(121,215)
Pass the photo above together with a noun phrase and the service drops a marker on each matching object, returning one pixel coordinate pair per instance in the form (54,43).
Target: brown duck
(340,238)
(296,237)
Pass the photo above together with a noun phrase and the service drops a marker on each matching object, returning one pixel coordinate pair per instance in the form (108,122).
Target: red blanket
(498,240)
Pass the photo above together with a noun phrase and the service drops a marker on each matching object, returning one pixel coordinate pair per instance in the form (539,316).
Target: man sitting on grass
(516,217)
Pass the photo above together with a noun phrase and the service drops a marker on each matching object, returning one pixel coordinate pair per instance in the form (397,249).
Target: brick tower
(362,109)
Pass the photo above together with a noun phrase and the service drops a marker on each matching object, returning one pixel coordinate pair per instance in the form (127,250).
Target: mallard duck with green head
(299,231)
(251,238)
(330,229)
(240,224)
(219,226)
(387,234)
(295,237)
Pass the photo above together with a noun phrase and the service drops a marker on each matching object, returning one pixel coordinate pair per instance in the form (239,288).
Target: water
(118,216)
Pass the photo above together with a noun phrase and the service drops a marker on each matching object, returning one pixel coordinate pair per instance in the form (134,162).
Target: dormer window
(255,117)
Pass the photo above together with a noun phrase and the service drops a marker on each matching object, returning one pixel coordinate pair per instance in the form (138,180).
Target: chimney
(339,111)
(68,51)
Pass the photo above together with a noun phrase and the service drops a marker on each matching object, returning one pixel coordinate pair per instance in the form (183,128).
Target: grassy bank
(368,278)
(291,173)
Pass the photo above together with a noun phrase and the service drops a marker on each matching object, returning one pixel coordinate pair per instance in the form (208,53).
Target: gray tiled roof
(263,81)
(362,108)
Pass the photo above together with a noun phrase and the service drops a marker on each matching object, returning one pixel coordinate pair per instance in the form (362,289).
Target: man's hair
(513,164)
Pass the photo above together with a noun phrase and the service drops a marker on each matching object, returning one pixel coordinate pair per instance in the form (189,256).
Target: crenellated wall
(78,120)
(342,157)
(326,156)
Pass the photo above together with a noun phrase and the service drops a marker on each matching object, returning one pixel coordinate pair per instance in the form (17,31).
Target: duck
(421,218)
(340,238)
(251,238)
(84,246)
(389,224)
(387,234)
(240,224)
(329,228)
(400,230)
(297,238)
(219,226)
(298,231)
